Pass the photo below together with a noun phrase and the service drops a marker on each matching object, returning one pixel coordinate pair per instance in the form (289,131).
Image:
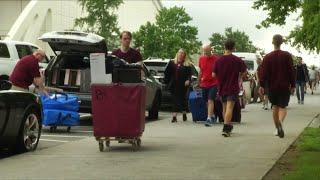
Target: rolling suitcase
(197,106)
(60,109)
(118,113)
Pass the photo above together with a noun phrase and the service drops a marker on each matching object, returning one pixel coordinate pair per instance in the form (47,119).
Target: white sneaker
(275,132)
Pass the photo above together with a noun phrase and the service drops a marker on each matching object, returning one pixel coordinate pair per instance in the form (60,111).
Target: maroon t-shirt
(25,71)
(227,70)
(132,56)
(277,71)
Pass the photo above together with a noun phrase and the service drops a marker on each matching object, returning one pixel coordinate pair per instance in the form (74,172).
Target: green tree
(306,35)
(101,19)
(168,34)
(243,43)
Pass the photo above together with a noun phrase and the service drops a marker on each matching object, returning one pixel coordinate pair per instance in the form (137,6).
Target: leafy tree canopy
(168,34)
(243,43)
(101,19)
(306,35)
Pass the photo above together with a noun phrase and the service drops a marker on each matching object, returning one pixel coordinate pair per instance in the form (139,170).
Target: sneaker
(275,133)
(302,102)
(280,131)
(226,134)
(299,102)
(174,120)
(208,122)
(214,119)
(185,117)
(266,108)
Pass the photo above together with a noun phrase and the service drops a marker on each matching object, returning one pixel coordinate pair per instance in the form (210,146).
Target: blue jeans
(300,90)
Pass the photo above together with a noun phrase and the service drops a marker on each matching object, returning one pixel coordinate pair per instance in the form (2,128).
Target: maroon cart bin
(118,113)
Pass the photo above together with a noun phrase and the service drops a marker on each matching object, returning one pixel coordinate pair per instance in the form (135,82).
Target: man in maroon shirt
(278,74)
(208,83)
(27,72)
(228,69)
(125,51)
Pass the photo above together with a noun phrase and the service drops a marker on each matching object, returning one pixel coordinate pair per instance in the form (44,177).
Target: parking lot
(51,139)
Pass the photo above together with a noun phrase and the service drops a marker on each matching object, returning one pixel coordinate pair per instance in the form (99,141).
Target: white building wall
(26,20)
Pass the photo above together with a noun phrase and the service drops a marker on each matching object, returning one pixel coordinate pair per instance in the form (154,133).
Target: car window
(45,60)
(249,64)
(23,50)
(4,52)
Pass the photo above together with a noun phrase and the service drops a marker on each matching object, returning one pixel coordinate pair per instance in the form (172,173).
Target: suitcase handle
(61,93)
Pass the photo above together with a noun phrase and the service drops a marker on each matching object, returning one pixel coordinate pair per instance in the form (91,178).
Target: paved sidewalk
(172,151)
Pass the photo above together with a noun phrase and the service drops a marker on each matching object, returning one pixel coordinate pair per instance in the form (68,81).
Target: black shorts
(210,93)
(233,97)
(280,99)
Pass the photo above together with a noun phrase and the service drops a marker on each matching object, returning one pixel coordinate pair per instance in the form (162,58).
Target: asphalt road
(51,139)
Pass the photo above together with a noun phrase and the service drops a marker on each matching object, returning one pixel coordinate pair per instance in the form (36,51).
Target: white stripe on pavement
(64,136)
(52,140)
(82,131)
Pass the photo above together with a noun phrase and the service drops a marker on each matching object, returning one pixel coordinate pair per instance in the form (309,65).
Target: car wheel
(154,111)
(30,131)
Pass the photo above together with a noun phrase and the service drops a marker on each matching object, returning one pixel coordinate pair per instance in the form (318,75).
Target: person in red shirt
(27,72)
(228,69)
(125,51)
(207,82)
(278,74)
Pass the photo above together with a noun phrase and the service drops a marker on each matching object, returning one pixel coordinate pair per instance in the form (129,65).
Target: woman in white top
(313,77)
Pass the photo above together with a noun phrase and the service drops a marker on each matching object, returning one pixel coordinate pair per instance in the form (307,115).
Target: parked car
(20,119)
(11,52)
(157,66)
(72,52)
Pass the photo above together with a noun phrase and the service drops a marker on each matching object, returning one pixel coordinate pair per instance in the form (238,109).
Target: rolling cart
(118,112)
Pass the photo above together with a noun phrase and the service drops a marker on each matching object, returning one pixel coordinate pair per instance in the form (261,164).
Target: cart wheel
(55,128)
(51,129)
(139,142)
(68,129)
(101,146)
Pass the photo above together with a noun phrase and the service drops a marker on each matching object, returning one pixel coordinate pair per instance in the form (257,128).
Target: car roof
(246,55)
(157,60)
(17,42)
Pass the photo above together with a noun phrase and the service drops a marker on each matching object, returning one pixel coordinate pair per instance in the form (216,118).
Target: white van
(250,59)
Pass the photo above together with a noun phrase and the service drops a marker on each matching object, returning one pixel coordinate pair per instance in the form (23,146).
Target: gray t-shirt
(312,74)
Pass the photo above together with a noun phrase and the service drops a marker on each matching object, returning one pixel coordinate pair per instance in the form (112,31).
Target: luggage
(127,74)
(85,85)
(218,111)
(60,101)
(118,110)
(60,110)
(197,106)
(54,117)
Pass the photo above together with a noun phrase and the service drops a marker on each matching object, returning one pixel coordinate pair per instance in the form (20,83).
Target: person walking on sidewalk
(264,97)
(278,74)
(27,72)
(302,76)
(207,82)
(228,69)
(178,78)
(313,77)
(125,51)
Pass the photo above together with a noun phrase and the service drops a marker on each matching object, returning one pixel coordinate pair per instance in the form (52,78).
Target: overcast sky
(214,16)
